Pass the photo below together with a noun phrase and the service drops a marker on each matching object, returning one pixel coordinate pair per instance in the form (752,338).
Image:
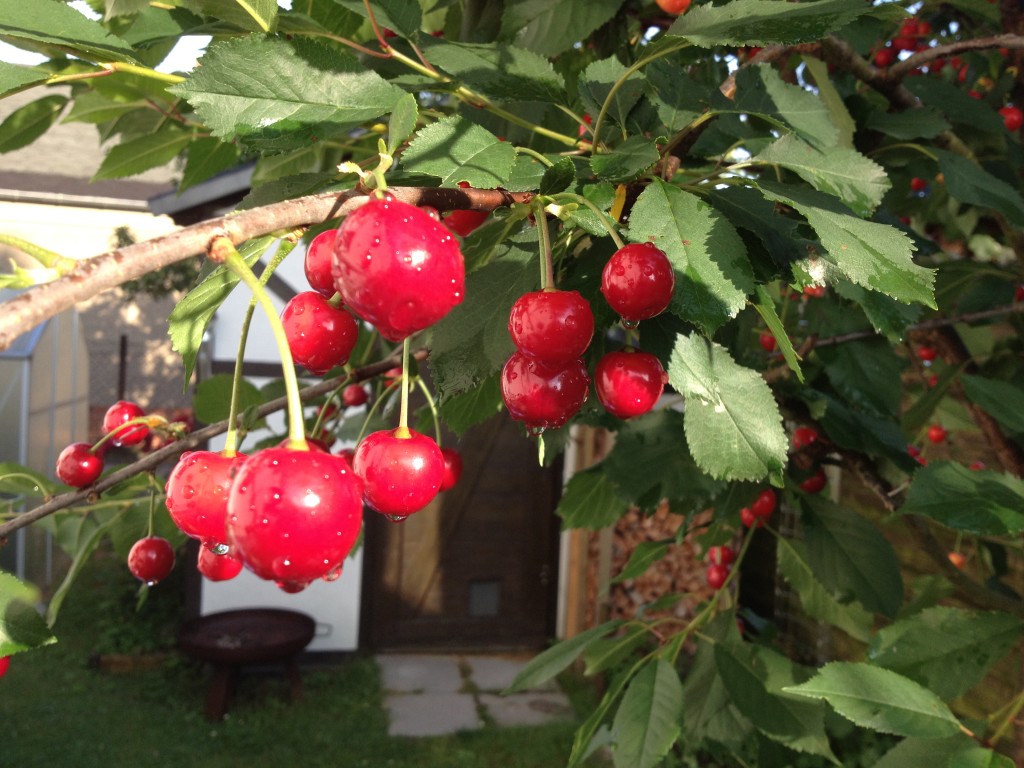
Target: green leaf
(467,409)
(274,95)
(763,22)
(609,652)
(23,481)
(851,557)
(263,12)
(135,156)
(922,123)
(953,102)
(558,657)
(858,431)
(982,502)
(628,161)
(187,322)
(558,177)
(123,8)
(1001,400)
(817,601)
(733,425)
(880,700)
(590,500)
(755,679)
(550,28)
(212,399)
(855,370)
(860,183)
(55,23)
(402,16)
(402,122)
(21,626)
(454,149)
(708,713)
(206,158)
(26,124)
(747,209)
(471,343)
(832,100)
(946,649)
(928,753)
(679,100)
(15,78)
(96,107)
(886,315)
(501,72)
(644,555)
(970,183)
(765,307)
(713,275)
(597,82)
(872,255)
(647,723)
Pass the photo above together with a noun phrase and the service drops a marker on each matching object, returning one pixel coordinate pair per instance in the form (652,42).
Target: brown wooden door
(477,568)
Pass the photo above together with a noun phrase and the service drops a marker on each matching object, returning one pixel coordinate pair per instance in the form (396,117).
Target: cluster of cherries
(545,382)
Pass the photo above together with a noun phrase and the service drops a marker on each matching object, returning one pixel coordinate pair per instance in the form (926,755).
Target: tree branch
(100,273)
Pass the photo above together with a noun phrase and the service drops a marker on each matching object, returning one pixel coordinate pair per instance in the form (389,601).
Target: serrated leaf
(925,753)
(713,275)
(982,502)
(816,601)
(869,254)
(402,16)
(187,322)
(96,107)
(18,480)
(881,700)
(596,84)
(832,100)
(590,500)
(1001,400)
(754,678)
(467,409)
(946,649)
(886,315)
(953,102)
(454,149)
(276,95)
(733,424)
(763,22)
(212,400)
(746,209)
(628,161)
(558,177)
(116,8)
(970,183)
(679,100)
(15,78)
(402,122)
(263,12)
(498,71)
(922,123)
(851,557)
(608,652)
(708,714)
(21,626)
(290,187)
(26,124)
(765,307)
(855,370)
(55,23)
(551,28)
(135,156)
(647,723)
(206,158)
(558,657)
(860,183)
(644,555)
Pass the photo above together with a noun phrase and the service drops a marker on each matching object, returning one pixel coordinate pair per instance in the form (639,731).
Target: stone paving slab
(431,714)
(407,673)
(518,709)
(496,673)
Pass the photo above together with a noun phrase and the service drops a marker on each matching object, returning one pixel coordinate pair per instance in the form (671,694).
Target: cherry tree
(754,239)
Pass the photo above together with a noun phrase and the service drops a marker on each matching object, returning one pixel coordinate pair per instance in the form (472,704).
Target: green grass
(58,710)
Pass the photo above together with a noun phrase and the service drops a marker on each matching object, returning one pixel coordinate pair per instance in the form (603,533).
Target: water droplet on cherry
(396,518)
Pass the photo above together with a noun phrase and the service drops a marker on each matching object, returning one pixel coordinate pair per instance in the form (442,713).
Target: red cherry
(117,416)
(764,504)
(904,43)
(5,664)
(717,575)
(638,282)
(933,380)
(804,436)
(721,555)
(347,454)
(319,335)
(937,433)
(749,519)
(463,222)
(957,559)
(397,268)
(452,468)
(151,559)
(1018,292)
(815,483)
(354,395)
(927,353)
(885,58)
(197,494)
(1013,118)
(629,382)
(318,263)
(78,466)
(767,342)
(675,7)
(543,395)
(977,465)
(814,291)
(401,470)
(293,515)
(918,184)
(218,567)
(552,326)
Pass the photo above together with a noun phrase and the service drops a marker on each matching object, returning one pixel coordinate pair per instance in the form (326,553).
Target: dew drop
(631,324)
(333,575)
(396,518)
(536,431)
(188,491)
(151,583)
(219,549)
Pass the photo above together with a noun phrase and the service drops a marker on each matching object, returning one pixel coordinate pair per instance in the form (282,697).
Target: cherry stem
(547,269)
(403,414)
(606,221)
(432,404)
(152,509)
(222,251)
(535,155)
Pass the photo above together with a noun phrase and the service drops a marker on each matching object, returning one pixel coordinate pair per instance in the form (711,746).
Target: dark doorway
(478,567)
